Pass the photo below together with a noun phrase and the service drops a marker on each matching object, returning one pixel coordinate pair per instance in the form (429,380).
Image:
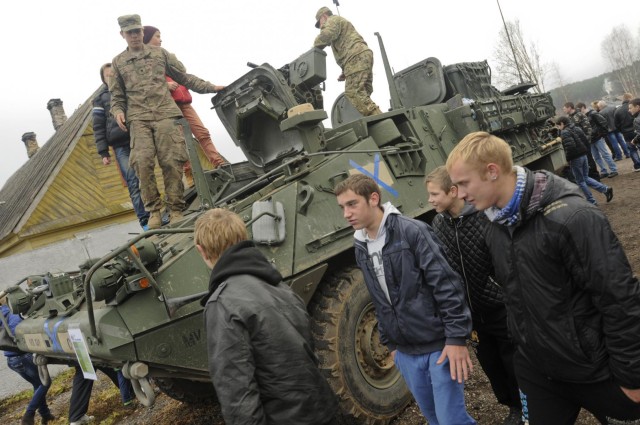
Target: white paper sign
(82,353)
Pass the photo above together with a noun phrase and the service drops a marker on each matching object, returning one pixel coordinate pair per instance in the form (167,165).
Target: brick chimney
(31,143)
(57,113)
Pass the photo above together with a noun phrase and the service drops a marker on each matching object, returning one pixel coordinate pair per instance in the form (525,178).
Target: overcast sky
(54,49)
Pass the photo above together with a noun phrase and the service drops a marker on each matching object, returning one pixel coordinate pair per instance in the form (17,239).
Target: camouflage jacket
(139,88)
(344,40)
(582,121)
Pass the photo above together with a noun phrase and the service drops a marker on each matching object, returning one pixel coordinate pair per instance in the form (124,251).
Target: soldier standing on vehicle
(142,101)
(352,55)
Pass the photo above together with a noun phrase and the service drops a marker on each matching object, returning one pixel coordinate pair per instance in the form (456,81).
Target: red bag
(181,94)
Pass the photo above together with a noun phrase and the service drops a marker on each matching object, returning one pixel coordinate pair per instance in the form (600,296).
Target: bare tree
(559,80)
(621,51)
(520,64)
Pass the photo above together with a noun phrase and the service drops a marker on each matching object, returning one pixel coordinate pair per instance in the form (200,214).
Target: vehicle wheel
(192,392)
(358,367)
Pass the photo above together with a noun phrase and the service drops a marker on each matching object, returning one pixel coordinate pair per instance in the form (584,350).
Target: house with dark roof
(64,191)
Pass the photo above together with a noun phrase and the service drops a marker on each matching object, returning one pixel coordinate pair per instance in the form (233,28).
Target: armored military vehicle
(136,307)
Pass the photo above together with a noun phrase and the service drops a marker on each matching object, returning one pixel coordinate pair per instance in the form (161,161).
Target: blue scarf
(510,214)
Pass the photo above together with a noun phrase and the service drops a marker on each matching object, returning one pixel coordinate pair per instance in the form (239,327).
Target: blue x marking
(376,174)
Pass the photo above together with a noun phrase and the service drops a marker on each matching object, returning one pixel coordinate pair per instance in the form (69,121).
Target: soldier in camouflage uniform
(142,101)
(352,55)
(581,120)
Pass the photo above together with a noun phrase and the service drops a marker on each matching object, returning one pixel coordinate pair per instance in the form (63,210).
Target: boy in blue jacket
(419,300)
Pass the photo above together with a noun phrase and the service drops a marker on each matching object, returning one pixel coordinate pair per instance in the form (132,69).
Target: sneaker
(636,169)
(617,159)
(155,221)
(28,418)
(612,175)
(609,194)
(86,419)
(604,175)
(47,417)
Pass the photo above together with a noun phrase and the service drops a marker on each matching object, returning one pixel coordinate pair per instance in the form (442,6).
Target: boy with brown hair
(419,300)
(461,230)
(259,342)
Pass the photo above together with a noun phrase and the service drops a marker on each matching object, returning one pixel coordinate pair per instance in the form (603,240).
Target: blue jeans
(601,154)
(441,399)
(618,144)
(125,388)
(23,365)
(580,170)
(129,175)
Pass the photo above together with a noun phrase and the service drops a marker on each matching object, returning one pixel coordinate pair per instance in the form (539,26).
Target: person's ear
(202,252)
(453,191)
(493,171)
(374,199)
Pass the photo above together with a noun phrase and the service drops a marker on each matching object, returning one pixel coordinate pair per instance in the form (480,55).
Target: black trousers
(495,352)
(81,392)
(552,402)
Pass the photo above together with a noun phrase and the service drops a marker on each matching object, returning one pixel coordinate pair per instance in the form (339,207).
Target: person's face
(156,40)
(133,38)
(440,199)
(358,211)
(477,188)
(323,19)
(566,109)
(633,109)
(107,73)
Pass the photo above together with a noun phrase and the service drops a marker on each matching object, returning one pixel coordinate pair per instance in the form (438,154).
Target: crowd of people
(519,265)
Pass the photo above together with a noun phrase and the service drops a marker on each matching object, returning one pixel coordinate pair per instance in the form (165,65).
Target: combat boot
(176,216)
(155,220)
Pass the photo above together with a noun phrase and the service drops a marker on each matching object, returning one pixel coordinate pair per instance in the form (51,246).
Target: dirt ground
(482,405)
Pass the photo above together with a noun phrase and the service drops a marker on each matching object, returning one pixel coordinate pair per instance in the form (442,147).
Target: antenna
(506,30)
(337,3)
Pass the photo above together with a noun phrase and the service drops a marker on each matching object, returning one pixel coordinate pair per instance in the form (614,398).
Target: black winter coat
(260,347)
(572,300)
(463,240)
(624,120)
(427,308)
(599,125)
(105,129)
(574,142)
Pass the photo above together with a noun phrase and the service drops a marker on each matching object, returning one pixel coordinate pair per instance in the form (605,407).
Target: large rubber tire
(358,367)
(192,392)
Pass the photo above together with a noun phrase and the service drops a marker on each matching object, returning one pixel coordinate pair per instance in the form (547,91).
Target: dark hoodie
(260,346)
(571,295)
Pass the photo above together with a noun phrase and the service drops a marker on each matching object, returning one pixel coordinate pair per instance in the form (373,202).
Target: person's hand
(216,89)
(634,395)
(459,361)
(172,85)
(106,160)
(341,77)
(121,121)
(393,355)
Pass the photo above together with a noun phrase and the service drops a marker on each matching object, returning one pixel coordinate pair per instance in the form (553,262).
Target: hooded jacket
(260,346)
(574,142)
(624,120)
(427,308)
(572,300)
(463,240)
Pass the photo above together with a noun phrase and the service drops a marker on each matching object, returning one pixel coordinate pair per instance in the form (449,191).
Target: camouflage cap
(130,22)
(321,12)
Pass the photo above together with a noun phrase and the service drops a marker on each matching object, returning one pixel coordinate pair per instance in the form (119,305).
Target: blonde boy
(258,335)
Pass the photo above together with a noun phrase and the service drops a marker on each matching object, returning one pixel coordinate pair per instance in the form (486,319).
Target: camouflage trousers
(163,139)
(359,84)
